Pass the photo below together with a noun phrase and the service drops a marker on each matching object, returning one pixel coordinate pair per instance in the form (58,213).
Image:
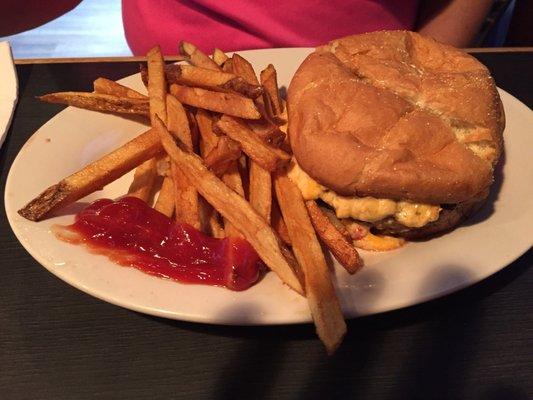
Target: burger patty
(450,216)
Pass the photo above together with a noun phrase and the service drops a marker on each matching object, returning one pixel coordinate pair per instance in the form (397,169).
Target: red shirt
(253,24)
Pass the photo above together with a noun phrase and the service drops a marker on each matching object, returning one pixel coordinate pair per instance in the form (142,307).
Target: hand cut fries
(323,301)
(269,80)
(185,195)
(233,207)
(260,189)
(222,155)
(278,223)
(145,174)
(342,249)
(231,176)
(107,86)
(94,176)
(219,57)
(213,80)
(143,180)
(99,102)
(225,103)
(165,200)
(243,68)
(196,57)
(263,154)
(156,84)
(216,109)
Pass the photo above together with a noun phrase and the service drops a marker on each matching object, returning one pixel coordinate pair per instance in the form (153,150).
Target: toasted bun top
(396,115)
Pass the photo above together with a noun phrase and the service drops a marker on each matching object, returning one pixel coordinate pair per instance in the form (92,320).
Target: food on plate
(319,290)
(233,207)
(219,57)
(165,199)
(391,136)
(268,157)
(94,176)
(395,130)
(220,158)
(196,57)
(133,234)
(337,240)
(221,102)
(191,75)
(107,86)
(145,174)
(269,80)
(99,102)
(185,195)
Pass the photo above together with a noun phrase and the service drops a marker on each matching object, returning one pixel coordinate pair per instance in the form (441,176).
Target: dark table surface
(59,343)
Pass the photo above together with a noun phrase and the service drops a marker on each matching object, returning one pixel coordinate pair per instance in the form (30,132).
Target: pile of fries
(217,156)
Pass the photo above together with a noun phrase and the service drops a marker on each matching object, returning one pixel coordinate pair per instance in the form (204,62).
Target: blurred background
(93,28)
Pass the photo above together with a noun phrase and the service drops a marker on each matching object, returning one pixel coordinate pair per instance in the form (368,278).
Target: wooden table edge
(22,61)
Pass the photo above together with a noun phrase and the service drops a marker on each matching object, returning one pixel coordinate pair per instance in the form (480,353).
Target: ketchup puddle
(132,234)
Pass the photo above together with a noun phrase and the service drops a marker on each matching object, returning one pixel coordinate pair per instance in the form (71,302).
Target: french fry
(208,136)
(225,103)
(232,178)
(379,243)
(219,57)
(320,293)
(144,177)
(94,176)
(267,131)
(233,207)
(157,87)
(260,190)
(228,66)
(269,81)
(185,195)
(165,200)
(222,155)
(259,179)
(263,154)
(277,222)
(191,75)
(143,180)
(99,102)
(107,86)
(197,57)
(210,219)
(243,68)
(342,249)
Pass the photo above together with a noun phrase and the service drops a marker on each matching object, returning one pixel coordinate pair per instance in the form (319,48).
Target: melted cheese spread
(369,209)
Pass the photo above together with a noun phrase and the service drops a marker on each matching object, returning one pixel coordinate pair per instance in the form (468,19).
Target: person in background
(254,24)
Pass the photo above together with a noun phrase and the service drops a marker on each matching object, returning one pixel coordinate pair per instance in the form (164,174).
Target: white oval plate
(489,241)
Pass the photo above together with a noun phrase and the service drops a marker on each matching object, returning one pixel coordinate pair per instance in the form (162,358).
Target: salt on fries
(237,186)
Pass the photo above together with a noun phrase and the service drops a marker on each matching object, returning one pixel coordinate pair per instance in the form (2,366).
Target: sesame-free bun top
(396,115)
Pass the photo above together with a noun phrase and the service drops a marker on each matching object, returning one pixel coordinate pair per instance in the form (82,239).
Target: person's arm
(454,22)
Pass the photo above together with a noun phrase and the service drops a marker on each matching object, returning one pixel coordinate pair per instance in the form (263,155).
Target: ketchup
(133,234)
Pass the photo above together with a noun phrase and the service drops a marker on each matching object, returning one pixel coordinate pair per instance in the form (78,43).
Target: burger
(395,130)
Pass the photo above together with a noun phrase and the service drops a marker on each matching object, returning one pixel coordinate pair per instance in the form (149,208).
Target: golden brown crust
(396,115)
